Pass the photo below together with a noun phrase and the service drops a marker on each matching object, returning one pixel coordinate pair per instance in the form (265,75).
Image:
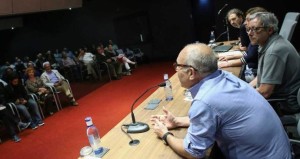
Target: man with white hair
(52,77)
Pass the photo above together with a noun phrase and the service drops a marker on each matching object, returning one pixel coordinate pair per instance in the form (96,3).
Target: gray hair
(267,19)
(204,62)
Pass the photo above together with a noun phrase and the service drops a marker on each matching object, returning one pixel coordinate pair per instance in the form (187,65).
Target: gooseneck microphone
(225,5)
(225,32)
(139,127)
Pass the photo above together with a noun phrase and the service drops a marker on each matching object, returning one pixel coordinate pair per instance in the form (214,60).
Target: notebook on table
(222,48)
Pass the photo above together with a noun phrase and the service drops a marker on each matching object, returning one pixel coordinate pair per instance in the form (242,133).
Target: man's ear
(191,73)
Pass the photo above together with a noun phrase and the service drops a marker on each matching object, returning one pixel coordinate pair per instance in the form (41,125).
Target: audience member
(278,72)
(40,59)
(17,94)
(30,64)
(121,58)
(50,58)
(35,85)
(236,18)
(19,67)
(88,60)
(7,117)
(70,65)
(241,127)
(114,46)
(115,68)
(52,77)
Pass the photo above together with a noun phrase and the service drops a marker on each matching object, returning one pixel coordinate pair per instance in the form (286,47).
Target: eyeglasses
(254,29)
(175,65)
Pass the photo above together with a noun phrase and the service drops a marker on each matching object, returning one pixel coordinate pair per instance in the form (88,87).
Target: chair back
(292,16)
(288,25)
(298,100)
(287,29)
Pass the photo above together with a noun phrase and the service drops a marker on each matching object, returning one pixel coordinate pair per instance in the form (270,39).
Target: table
(150,146)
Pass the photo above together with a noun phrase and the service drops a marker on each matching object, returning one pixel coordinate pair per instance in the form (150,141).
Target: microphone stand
(139,127)
(227,29)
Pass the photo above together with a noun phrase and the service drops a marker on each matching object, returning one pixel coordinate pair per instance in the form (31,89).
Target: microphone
(139,127)
(221,35)
(222,8)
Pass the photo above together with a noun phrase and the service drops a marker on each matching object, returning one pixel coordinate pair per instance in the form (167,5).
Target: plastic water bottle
(168,88)
(93,136)
(249,75)
(212,38)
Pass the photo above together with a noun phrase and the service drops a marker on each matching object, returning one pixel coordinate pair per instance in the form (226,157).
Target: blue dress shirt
(227,110)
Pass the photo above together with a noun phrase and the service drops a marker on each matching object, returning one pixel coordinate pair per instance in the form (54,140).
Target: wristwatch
(164,138)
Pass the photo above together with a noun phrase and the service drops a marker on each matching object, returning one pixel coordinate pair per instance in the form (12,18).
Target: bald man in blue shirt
(225,110)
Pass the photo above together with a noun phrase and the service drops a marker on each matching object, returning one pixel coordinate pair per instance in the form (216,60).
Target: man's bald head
(200,56)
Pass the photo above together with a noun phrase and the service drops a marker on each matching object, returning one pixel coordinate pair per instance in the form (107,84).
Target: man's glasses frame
(254,29)
(175,65)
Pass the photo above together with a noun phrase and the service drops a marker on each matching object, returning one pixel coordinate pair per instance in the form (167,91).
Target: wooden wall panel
(10,7)
(47,5)
(5,7)
(26,6)
(73,3)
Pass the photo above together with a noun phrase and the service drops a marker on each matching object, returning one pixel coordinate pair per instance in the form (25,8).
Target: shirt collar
(197,86)
(262,49)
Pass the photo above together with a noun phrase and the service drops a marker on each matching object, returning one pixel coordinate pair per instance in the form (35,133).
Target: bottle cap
(88,121)
(166,76)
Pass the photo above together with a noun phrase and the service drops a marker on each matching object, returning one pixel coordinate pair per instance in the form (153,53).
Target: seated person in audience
(30,64)
(50,58)
(70,64)
(7,72)
(115,68)
(121,58)
(249,57)
(278,72)
(243,125)
(11,122)
(52,77)
(40,59)
(7,117)
(16,93)
(19,67)
(26,59)
(35,85)
(88,60)
(114,46)
(70,54)
(236,18)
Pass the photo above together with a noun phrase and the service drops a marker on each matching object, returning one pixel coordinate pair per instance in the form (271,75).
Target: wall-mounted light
(12,28)
(70,8)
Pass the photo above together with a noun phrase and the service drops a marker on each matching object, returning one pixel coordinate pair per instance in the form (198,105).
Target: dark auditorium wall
(170,27)
(166,25)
